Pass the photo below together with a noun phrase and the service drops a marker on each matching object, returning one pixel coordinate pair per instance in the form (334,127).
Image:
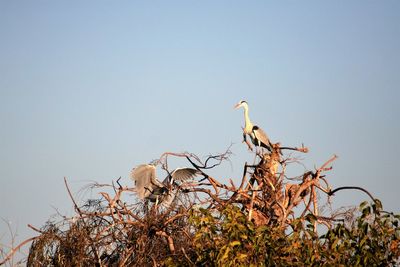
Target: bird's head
(241,104)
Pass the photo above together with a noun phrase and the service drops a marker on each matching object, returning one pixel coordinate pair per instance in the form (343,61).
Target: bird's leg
(255,157)
(259,152)
(246,141)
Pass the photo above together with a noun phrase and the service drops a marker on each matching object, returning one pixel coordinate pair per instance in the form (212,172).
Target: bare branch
(351,188)
(12,252)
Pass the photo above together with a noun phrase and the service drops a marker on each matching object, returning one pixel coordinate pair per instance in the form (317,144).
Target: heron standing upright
(147,186)
(257,135)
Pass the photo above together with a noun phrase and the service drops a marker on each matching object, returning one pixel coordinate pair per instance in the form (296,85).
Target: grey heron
(257,135)
(147,186)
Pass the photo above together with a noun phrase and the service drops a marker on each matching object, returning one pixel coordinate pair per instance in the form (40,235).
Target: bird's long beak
(236,106)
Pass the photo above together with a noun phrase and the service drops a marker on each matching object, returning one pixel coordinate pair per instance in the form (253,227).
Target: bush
(267,220)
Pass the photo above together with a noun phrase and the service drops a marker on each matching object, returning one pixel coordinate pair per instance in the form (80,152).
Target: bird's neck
(248,126)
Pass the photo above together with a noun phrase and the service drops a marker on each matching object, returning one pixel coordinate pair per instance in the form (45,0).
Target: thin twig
(12,252)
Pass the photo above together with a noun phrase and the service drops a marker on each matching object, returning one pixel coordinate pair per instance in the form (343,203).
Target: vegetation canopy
(267,219)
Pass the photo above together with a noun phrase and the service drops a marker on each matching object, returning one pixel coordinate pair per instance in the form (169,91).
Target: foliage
(373,239)
(229,239)
(267,220)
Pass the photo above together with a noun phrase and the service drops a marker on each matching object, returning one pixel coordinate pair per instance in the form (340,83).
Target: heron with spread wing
(147,186)
(257,136)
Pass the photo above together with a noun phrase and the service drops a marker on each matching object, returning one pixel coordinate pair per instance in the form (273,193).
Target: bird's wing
(169,198)
(145,179)
(181,174)
(262,137)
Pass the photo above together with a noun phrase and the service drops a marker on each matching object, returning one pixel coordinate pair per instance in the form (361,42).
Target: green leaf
(226,254)
(363,240)
(242,256)
(335,243)
(363,204)
(234,243)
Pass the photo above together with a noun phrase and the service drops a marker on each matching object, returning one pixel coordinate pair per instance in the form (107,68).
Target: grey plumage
(148,187)
(182,174)
(257,135)
(145,180)
(260,138)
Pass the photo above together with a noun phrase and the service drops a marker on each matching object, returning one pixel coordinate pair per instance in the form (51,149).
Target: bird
(148,187)
(257,135)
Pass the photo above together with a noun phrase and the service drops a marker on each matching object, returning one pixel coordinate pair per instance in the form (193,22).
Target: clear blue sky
(89,89)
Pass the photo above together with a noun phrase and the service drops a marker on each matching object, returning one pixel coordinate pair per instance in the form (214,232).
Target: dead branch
(12,252)
(35,229)
(120,233)
(76,207)
(169,240)
(332,192)
(302,149)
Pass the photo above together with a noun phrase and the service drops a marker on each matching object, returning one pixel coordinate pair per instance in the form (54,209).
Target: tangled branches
(114,230)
